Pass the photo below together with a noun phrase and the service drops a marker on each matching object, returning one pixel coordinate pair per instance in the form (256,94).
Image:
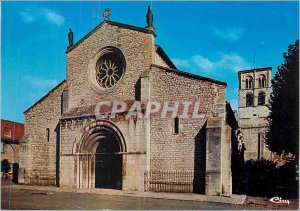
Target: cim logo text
(279,200)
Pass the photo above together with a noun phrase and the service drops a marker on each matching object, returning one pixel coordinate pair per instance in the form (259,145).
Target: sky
(211,39)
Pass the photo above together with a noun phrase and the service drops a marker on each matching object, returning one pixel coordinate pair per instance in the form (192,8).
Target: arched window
(7,131)
(249,99)
(262,81)
(259,82)
(249,82)
(261,98)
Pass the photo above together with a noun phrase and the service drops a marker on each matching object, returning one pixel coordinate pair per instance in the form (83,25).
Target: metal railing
(169,181)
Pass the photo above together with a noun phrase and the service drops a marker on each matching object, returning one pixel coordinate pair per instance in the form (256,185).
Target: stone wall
(160,61)
(37,153)
(183,151)
(167,147)
(72,163)
(255,149)
(139,52)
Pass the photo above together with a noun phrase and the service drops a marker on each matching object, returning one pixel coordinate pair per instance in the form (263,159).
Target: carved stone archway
(100,149)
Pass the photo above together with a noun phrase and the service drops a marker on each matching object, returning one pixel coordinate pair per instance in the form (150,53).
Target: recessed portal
(108,164)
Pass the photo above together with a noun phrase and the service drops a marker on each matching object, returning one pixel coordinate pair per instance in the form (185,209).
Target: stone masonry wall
(40,165)
(138,49)
(254,149)
(139,52)
(134,159)
(160,61)
(177,152)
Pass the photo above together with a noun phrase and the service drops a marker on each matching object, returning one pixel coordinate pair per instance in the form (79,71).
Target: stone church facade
(254,96)
(65,144)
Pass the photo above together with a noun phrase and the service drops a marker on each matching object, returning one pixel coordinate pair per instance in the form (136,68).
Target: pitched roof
(164,56)
(11,131)
(84,111)
(189,75)
(122,25)
(159,49)
(57,86)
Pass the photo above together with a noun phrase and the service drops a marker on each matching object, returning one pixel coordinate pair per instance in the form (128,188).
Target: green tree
(283,134)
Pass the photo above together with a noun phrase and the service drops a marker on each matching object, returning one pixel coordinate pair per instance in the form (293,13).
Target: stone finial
(70,37)
(149,18)
(106,14)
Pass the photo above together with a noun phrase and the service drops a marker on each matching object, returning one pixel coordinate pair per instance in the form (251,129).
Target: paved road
(12,198)
(28,199)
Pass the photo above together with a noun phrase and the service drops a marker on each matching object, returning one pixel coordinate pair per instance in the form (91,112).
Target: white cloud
(203,62)
(41,13)
(230,61)
(224,67)
(233,61)
(181,62)
(54,17)
(39,82)
(231,34)
(26,17)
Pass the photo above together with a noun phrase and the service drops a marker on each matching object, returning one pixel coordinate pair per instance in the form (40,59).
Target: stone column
(145,97)
(213,156)
(218,157)
(226,161)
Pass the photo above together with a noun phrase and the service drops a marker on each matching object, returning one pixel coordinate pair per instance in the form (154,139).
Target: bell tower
(254,95)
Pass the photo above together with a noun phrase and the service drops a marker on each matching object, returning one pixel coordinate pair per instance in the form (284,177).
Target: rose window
(109,70)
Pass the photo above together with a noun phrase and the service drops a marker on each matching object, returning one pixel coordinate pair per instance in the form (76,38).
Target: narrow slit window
(176,125)
(48,134)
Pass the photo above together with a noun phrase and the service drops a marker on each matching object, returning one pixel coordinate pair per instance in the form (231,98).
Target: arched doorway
(108,164)
(99,161)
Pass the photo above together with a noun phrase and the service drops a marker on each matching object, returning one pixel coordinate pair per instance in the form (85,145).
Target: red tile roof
(11,131)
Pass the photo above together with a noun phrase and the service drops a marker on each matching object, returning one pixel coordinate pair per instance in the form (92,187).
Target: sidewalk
(234,199)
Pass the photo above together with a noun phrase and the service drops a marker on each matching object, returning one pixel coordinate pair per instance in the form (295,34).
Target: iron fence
(169,181)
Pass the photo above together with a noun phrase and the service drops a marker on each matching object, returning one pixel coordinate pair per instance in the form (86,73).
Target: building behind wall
(254,95)
(11,135)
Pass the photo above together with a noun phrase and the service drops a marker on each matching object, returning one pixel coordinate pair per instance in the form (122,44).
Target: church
(67,145)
